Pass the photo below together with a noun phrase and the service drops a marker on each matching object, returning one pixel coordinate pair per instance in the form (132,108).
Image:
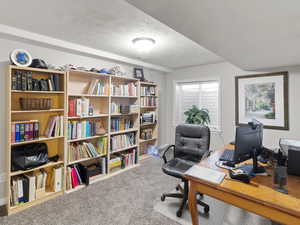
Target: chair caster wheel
(178,213)
(162,198)
(206,210)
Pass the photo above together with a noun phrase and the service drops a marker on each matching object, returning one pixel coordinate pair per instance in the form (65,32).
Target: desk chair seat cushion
(191,141)
(177,167)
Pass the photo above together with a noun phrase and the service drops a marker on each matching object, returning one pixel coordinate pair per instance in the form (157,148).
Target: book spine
(14,81)
(36,130)
(13,133)
(24,82)
(26,135)
(22,132)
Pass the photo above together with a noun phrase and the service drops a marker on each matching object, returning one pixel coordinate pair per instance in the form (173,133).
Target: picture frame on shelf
(263,97)
(138,73)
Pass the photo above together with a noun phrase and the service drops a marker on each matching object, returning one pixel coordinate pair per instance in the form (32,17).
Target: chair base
(184,196)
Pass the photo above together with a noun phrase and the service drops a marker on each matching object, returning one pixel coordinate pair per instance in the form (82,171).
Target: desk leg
(193,204)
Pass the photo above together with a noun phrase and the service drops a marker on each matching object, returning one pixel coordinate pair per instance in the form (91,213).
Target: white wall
(226,73)
(59,58)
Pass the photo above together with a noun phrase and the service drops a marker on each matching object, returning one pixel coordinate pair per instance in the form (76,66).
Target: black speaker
(294,161)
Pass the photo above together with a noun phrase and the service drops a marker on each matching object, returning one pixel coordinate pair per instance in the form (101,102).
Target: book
(23,82)
(92,86)
(58,179)
(56,82)
(29,81)
(22,132)
(31,182)
(71,112)
(14,81)
(13,132)
(19,80)
(78,107)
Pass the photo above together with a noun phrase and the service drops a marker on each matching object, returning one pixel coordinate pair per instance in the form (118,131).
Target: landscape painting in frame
(263,97)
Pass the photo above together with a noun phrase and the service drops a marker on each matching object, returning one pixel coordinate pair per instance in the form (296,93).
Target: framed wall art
(263,97)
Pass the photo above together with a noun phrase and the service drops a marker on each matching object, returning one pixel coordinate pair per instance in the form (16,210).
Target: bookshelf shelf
(75,189)
(121,114)
(148,83)
(148,140)
(37,111)
(88,117)
(50,164)
(40,139)
(86,138)
(31,69)
(120,96)
(124,170)
(148,107)
(124,131)
(87,95)
(123,149)
(48,196)
(147,124)
(37,92)
(85,159)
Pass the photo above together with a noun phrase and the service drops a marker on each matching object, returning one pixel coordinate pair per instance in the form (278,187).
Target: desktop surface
(258,197)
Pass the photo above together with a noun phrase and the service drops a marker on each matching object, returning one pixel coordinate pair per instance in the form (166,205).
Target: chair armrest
(164,149)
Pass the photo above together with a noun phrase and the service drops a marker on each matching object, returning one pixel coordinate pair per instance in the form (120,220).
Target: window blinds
(203,95)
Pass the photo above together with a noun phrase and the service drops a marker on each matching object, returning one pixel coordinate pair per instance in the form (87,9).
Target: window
(203,95)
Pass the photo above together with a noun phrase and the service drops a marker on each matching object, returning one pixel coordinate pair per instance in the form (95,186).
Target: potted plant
(197,116)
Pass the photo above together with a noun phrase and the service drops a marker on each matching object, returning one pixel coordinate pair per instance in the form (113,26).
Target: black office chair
(191,143)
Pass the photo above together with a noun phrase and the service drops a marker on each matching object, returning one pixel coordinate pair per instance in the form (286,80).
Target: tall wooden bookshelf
(75,85)
(78,86)
(15,114)
(149,100)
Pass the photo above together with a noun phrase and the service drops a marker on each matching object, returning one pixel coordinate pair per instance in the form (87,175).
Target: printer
(291,148)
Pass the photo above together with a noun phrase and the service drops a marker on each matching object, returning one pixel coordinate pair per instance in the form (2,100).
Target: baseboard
(2,181)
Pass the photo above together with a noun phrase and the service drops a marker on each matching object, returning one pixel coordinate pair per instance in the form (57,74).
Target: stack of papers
(207,174)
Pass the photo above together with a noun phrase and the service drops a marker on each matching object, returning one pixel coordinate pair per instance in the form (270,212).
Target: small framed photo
(139,73)
(263,97)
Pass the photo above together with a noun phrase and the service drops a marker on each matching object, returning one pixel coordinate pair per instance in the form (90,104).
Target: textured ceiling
(252,34)
(108,25)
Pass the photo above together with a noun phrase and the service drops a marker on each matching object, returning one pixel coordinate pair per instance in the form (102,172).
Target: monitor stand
(256,167)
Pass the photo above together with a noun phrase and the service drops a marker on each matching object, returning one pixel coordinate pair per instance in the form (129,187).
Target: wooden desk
(260,199)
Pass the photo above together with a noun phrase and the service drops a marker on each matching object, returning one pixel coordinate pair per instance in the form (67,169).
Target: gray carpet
(126,199)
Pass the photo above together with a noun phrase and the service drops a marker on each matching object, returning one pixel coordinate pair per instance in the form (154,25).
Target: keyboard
(228,155)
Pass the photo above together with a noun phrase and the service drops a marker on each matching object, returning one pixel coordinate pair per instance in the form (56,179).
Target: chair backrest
(191,141)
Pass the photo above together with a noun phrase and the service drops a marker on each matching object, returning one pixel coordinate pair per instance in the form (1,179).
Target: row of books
(129,89)
(148,117)
(79,107)
(146,134)
(25,130)
(122,141)
(147,91)
(32,186)
(23,80)
(149,101)
(86,150)
(123,160)
(121,124)
(84,128)
(76,176)
(98,87)
(55,127)
(117,108)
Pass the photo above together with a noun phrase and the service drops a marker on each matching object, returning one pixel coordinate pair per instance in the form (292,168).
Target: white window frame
(175,100)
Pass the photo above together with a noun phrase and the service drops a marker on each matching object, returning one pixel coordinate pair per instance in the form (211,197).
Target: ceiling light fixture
(143,44)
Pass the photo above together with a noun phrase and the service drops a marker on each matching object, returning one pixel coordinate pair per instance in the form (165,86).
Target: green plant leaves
(197,116)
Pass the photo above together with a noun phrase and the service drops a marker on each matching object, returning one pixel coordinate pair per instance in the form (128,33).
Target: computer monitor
(249,144)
